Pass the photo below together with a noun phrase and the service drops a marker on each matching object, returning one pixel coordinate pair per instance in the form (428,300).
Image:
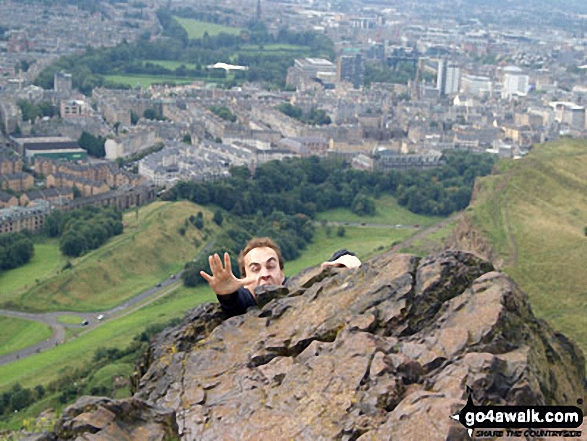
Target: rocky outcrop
(465,236)
(385,351)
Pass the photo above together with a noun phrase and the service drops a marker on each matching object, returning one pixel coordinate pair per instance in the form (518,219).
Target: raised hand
(223,281)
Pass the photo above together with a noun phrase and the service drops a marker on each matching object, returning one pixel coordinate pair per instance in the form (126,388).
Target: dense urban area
(382,86)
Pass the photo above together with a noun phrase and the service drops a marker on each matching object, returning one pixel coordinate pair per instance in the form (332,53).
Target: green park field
(534,213)
(197,29)
(18,334)
(147,80)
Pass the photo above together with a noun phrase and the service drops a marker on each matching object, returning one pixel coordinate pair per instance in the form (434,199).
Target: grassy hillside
(534,214)
(388,212)
(46,261)
(149,250)
(18,333)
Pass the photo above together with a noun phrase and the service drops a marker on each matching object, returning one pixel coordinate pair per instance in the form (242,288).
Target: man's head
(261,258)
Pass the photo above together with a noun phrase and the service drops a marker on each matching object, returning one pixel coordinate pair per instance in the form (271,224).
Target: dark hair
(258,242)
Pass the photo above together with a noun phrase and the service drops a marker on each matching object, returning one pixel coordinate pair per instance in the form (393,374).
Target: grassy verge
(68,319)
(19,333)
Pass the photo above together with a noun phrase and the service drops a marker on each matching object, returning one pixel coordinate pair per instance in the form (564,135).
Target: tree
(218,218)
(72,244)
(363,205)
(94,145)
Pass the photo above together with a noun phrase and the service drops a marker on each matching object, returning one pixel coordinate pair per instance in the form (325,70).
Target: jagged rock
(99,418)
(385,351)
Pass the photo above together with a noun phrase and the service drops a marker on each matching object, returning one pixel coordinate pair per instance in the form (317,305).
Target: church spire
(258,15)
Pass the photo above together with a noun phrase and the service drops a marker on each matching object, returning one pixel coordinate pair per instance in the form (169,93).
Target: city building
(58,147)
(351,68)
(16,219)
(62,83)
(478,86)
(448,77)
(515,82)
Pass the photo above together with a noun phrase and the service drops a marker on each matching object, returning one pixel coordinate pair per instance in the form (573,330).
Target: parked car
(85,323)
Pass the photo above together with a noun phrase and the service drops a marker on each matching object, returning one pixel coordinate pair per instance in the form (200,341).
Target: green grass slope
(46,262)
(534,214)
(149,250)
(18,334)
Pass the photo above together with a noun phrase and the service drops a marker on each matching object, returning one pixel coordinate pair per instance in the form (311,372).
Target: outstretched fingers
(227,263)
(207,277)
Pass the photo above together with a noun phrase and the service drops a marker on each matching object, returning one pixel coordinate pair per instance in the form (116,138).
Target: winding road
(52,318)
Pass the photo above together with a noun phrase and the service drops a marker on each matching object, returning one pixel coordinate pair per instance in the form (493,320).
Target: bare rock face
(385,351)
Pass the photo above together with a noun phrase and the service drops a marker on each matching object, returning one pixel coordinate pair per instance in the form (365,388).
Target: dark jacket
(238,302)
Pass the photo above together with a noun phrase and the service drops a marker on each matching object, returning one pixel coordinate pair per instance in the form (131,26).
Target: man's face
(263,264)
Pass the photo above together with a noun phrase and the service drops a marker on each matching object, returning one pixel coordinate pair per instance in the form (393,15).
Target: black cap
(340,253)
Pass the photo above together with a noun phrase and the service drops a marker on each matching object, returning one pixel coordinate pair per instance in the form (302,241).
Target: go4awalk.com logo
(518,421)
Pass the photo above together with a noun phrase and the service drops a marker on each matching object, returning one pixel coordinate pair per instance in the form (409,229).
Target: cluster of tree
(291,232)
(94,145)
(19,398)
(310,185)
(84,229)
(31,111)
(77,382)
(16,249)
(223,112)
(313,116)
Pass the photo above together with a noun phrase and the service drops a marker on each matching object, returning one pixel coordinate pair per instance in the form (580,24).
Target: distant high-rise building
(515,82)
(448,77)
(62,83)
(351,68)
